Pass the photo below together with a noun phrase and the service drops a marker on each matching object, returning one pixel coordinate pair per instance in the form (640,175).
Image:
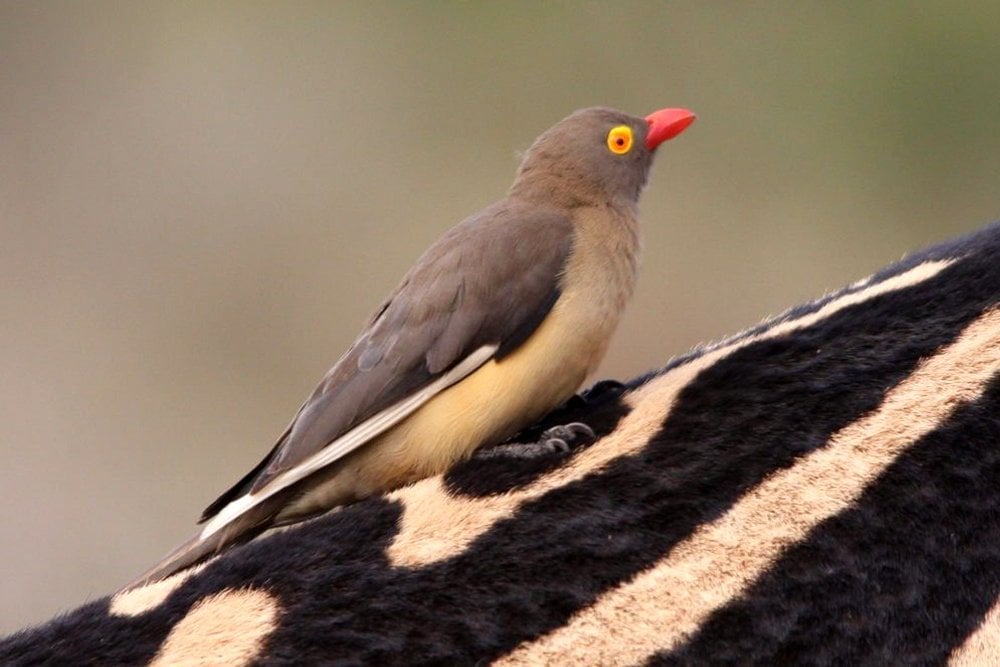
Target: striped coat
(823,488)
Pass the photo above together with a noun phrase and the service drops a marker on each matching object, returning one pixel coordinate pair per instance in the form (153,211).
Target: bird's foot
(555,440)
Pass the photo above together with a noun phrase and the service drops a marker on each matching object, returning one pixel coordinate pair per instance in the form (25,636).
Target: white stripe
(347,443)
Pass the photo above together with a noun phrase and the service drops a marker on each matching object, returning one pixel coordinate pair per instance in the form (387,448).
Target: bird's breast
(602,269)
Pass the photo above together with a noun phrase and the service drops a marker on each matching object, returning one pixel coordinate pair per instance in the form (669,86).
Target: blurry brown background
(201,203)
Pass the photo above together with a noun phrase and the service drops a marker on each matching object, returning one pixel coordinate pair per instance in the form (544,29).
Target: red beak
(666,124)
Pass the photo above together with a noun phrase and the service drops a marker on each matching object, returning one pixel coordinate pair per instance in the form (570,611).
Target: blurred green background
(201,203)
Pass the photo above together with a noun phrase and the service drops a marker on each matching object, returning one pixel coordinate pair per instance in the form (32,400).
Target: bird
(499,322)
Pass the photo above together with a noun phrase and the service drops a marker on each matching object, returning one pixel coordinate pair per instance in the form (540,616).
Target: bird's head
(596,155)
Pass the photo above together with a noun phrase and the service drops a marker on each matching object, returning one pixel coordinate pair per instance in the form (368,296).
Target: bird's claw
(555,440)
(566,433)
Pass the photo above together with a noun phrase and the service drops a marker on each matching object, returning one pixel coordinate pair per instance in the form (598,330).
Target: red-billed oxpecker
(497,323)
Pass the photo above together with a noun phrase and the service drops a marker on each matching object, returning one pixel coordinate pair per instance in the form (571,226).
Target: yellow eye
(620,139)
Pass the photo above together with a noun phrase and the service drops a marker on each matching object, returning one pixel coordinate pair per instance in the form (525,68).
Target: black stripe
(902,577)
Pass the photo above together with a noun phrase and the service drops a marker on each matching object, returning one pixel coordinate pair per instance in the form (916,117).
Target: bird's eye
(620,139)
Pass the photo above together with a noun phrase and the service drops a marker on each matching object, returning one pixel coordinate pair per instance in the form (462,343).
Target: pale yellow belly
(491,404)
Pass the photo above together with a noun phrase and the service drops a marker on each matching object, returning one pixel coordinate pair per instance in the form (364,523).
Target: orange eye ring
(620,139)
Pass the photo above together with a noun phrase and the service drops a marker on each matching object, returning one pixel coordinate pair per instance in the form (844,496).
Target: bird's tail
(188,554)
(198,549)
(241,529)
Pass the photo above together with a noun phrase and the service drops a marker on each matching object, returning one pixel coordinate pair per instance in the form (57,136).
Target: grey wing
(490,281)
